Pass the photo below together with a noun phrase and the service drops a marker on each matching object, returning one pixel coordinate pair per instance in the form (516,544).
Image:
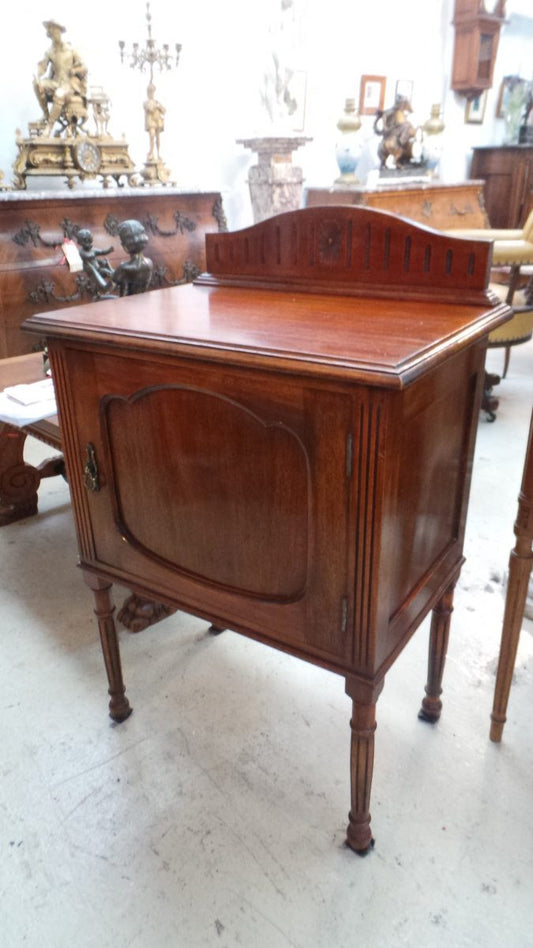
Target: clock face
(88,157)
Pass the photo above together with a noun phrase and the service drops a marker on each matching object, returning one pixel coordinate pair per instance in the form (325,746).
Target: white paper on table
(29,393)
(23,404)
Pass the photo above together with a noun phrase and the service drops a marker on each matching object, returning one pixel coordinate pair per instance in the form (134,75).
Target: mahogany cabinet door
(220,489)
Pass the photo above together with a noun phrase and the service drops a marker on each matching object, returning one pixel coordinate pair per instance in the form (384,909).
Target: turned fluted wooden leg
(119,706)
(363,725)
(438,646)
(520,564)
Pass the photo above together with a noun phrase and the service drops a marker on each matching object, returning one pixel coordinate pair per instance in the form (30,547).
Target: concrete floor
(215,815)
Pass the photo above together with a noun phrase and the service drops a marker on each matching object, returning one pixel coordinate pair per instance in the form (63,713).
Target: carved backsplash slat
(351,247)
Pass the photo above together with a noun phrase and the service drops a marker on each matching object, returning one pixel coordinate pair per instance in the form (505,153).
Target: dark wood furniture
(285,448)
(443,206)
(520,564)
(477,26)
(507,171)
(19,481)
(33,226)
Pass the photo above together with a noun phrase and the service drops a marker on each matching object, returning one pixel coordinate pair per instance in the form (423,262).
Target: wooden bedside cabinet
(285,447)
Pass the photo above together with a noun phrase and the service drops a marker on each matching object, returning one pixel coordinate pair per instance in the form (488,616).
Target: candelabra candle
(150,55)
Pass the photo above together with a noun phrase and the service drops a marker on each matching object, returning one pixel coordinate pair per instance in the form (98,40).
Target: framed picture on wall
(372,94)
(475,109)
(508,85)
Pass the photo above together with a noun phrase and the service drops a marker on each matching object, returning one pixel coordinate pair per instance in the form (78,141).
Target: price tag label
(72,256)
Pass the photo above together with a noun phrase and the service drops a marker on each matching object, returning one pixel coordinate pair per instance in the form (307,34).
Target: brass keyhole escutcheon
(90,472)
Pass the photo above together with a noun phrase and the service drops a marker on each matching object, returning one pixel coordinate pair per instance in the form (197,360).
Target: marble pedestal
(275,183)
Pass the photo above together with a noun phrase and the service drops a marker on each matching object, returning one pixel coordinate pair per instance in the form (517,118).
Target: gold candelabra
(141,57)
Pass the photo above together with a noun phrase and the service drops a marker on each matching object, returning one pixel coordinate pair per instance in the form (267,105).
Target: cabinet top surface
(384,341)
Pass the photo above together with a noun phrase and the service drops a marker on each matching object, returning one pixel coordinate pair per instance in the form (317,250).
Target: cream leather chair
(512,248)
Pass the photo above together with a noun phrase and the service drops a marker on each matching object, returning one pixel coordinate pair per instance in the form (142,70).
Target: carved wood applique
(31,233)
(46,291)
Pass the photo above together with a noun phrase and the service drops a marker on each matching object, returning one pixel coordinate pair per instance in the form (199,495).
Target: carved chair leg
(119,706)
(438,646)
(506,360)
(514,278)
(528,292)
(363,725)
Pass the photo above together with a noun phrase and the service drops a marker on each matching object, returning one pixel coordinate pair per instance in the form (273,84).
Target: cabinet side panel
(423,530)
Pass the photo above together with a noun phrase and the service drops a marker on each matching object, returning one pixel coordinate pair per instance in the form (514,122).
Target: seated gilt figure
(71,138)
(61,84)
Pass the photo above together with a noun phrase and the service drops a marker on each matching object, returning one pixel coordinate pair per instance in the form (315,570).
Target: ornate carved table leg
(363,725)
(119,706)
(18,481)
(138,613)
(438,646)
(520,563)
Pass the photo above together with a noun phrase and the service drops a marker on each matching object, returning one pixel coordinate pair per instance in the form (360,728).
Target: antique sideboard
(34,225)
(285,447)
(439,205)
(507,171)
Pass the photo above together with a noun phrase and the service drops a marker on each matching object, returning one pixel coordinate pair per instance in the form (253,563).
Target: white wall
(212,98)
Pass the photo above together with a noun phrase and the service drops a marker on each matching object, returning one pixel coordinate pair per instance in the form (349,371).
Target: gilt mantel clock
(477,31)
